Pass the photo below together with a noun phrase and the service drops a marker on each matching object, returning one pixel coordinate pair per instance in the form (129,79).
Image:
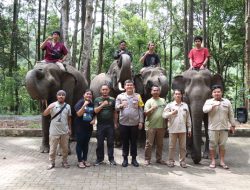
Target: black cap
(57,32)
(216,86)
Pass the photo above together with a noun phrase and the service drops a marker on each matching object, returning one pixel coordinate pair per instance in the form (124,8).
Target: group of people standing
(128,113)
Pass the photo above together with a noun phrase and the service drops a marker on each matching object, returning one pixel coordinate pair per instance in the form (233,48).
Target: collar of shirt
(175,103)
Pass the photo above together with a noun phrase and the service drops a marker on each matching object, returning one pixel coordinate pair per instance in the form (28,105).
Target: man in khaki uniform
(179,120)
(155,125)
(220,114)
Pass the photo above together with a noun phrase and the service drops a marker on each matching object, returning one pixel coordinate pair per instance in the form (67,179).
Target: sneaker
(65,165)
(112,162)
(98,162)
(135,163)
(125,163)
(52,165)
(146,162)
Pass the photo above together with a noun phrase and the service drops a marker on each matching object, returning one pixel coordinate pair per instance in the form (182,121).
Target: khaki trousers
(62,140)
(154,135)
(172,145)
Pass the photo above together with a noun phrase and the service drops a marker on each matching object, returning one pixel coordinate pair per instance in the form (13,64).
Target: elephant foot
(44,149)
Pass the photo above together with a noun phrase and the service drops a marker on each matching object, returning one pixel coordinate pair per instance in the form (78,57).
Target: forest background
(92,29)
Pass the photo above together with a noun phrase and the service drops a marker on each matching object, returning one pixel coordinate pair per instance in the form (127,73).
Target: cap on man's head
(216,86)
(56,32)
(61,92)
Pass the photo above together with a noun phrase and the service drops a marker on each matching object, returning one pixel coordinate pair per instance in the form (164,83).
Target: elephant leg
(206,147)
(117,138)
(45,132)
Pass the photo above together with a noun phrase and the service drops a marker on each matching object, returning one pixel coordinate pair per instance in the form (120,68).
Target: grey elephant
(151,76)
(196,86)
(119,71)
(42,83)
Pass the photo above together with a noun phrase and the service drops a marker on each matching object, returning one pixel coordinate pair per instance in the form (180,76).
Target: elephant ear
(68,83)
(139,88)
(217,79)
(178,83)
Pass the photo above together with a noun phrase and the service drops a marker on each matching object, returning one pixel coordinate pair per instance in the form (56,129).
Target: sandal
(81,165)
(65,165)
(183,165)
(171,164)
(212,166)
(224,166)
(50,166)
(86,164)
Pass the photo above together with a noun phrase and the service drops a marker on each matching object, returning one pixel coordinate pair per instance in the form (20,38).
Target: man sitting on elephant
(122,50)
(56,52)
(198,56)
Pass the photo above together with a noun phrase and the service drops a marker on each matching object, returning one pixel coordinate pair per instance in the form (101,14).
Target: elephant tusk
(120,87)
(46,103)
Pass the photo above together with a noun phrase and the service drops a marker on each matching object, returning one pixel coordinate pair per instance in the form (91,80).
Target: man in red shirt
(56,52)
(198,56)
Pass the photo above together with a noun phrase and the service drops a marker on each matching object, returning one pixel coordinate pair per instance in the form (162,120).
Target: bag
(58,112)
(55,54)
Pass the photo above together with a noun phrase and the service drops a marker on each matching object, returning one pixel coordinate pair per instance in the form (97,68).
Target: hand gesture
(86,103)
(216,103)
(174,112)
(52,105)
(105,102)
(50,38)
(189,133)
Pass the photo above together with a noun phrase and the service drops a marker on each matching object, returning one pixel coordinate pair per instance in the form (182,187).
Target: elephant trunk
(126,70)
(163,85)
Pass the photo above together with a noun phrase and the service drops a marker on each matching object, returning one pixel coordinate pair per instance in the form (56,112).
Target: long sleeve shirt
(219,116)
(179,122)
(132,113)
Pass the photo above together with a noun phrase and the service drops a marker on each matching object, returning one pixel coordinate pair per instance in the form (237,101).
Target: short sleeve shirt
(151,60)
(88,115)
(198,56)
(59,125)
(106,115)
(155,120)
(59,47)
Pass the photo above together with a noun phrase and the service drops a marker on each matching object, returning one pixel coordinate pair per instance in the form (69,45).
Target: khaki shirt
(219,116)
(181,121)
(132,114)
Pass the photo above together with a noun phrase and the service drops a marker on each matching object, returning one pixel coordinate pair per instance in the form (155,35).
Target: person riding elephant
(149,77)
(196,85)
(118,73)
(43,82)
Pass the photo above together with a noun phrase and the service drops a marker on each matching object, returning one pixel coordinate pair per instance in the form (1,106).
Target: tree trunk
(45,23)
(204,18)
(113,21)
(93,27)
(13,89)
(74,38)
(100,57)
(86,53)
(65,26)
(186,62)
(83,17)
(171,51)
(247,50)
(190,26)
(39,31)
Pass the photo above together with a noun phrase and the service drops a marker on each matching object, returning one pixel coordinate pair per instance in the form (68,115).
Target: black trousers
(129,136)
(105,131)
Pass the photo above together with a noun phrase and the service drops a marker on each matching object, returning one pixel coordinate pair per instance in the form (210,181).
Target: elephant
(43,82)
(196,86)
(151,76)
(120,70)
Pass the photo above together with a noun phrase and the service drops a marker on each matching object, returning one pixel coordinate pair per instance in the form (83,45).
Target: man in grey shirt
(60,128)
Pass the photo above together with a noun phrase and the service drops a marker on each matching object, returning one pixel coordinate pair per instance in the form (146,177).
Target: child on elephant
(56,52)
(198,56)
